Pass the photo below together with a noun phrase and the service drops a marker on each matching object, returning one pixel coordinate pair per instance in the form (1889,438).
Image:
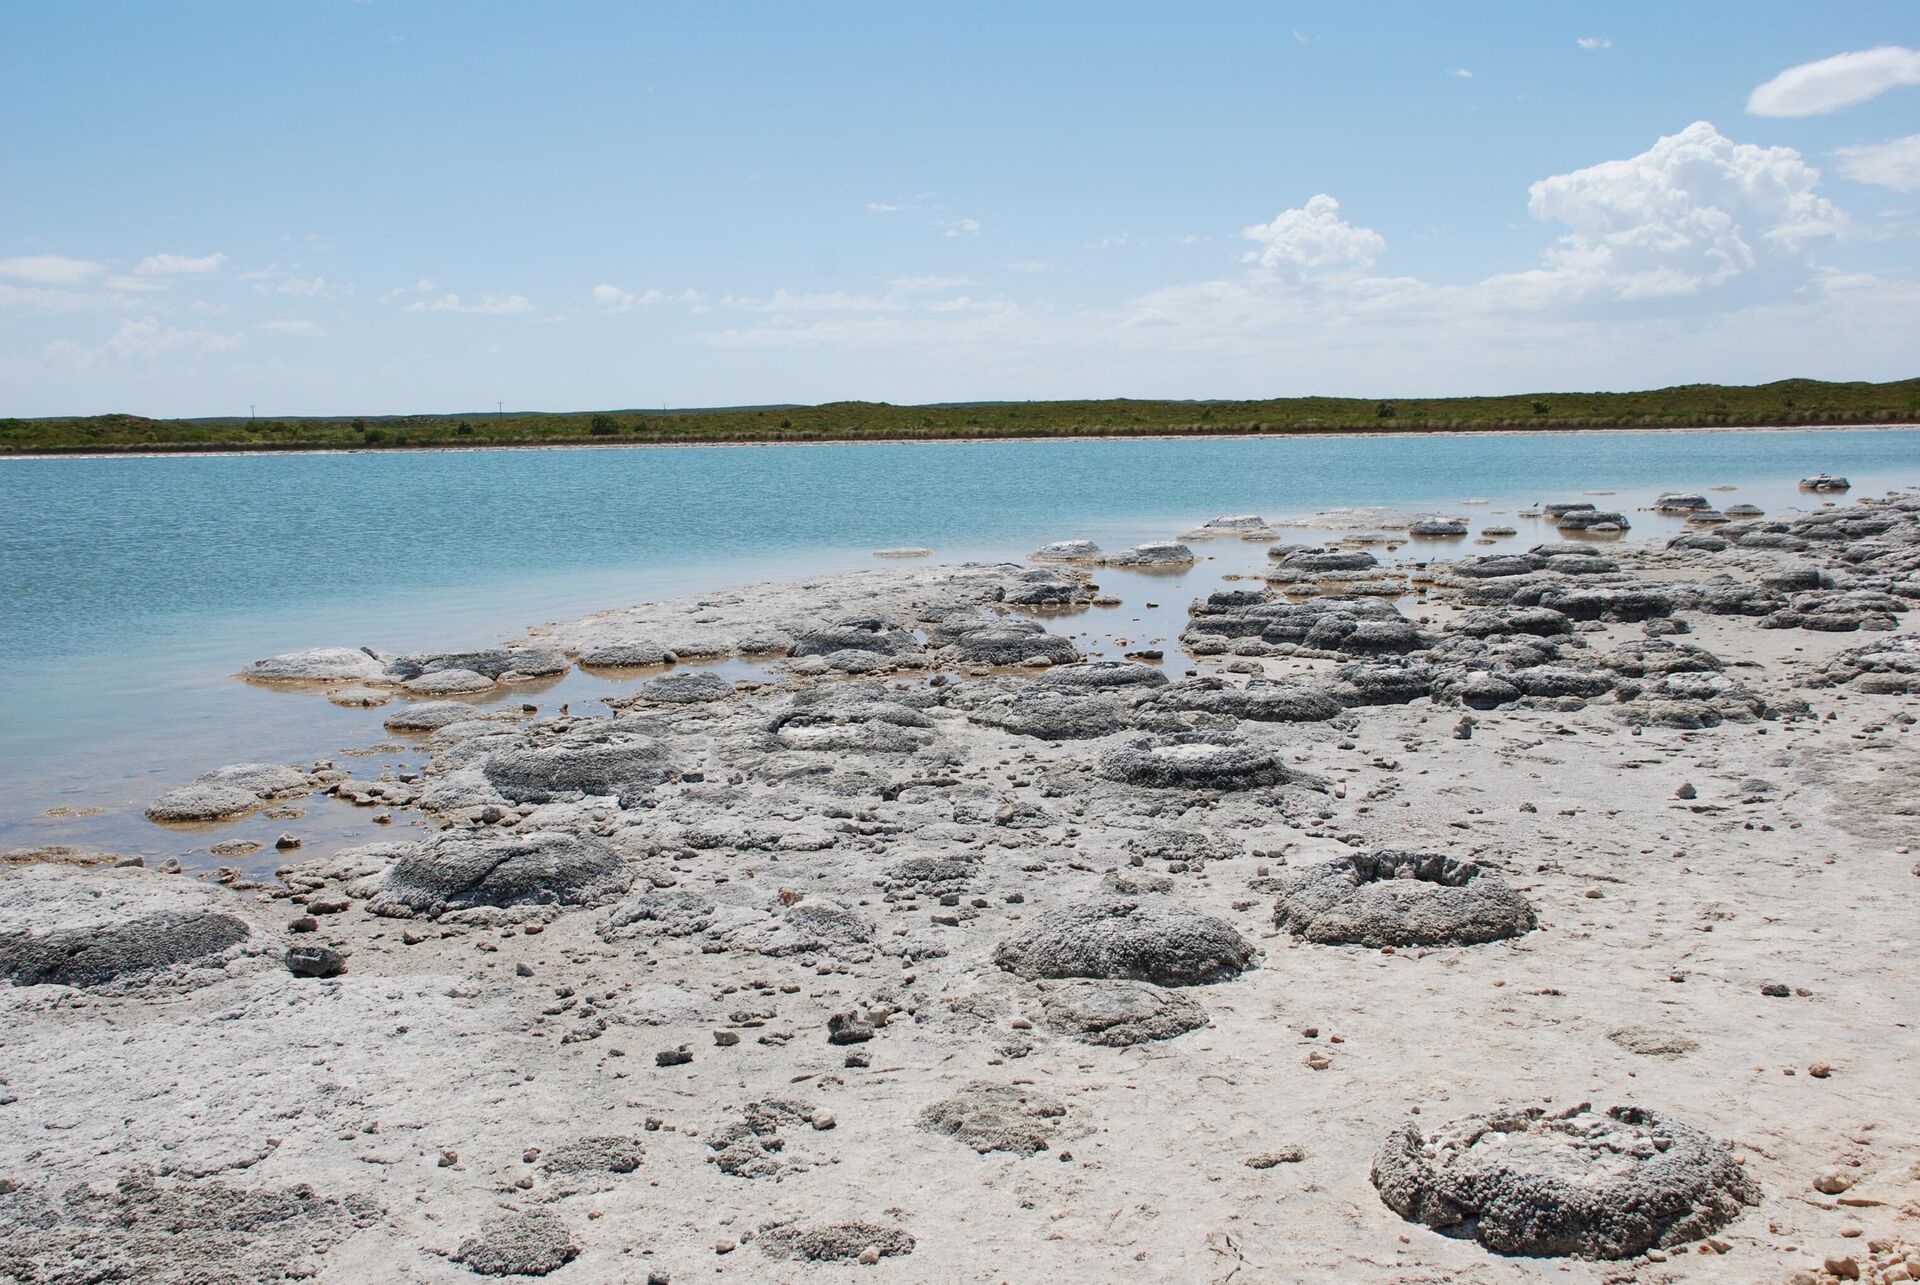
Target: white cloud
(492,305)
(614,299)
(424,286)
(145,342)
(1815,88)
(959,227)
(1594,42)
(1464,73)
(277,280)
(1313,238)
(1304,37)
(50,269)
(174,265)
(293,326)
(1033,265)
(1692,211)
(885,207)
(1894,164)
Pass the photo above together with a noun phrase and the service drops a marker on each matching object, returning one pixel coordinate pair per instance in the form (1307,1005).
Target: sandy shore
(911,958)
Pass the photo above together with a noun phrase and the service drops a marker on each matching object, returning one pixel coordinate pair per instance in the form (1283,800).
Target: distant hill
(1786,402)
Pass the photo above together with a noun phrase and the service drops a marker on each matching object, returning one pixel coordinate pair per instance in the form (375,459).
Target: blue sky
(322,206)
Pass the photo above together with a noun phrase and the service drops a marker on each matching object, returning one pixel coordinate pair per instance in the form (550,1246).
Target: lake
(133,587)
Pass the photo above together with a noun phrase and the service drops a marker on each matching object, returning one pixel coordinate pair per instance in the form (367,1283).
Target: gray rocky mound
(1068,551)
(1433,527)
(203,1232)
(597,758)
(856,633)
(1101,675)
(1166,945)
(533,1243)
(1162,553)
(1400,899)
(489,662)
(685,689)
(997,1117)
(597,1153)
(1581,1183)
(431,716)
(1193,761)
(463,870)
(318,665)
(832,1243)
(1118,1013)
(1888,667)
(1262,700)
(1052,715)
(449,682)
(227,792)
(67,926)
(635,653)
(1005,642)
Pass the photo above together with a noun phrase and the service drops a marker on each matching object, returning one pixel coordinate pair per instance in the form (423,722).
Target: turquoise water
(131,587)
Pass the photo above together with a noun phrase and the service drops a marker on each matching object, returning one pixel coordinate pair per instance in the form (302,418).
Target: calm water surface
(131,587)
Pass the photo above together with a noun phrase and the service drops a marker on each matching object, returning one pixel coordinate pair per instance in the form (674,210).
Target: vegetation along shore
(1782,403)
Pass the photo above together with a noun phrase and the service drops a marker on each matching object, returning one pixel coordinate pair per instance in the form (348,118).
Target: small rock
(1283,1156)
(848,1028)
(1775,990)
(673,1057)
(1845,1266)
(822,1120)
(724,1246)
(448,1157)
(286,841)
(315,961)
(1686,791)
(1832,1182)
(725,1039)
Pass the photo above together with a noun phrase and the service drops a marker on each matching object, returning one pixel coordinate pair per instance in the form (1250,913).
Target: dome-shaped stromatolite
(1314,561)
(68,927)
(1118,1013)
(1591,1184)
(1438,527)
(1052,715)
(317,665)
(1159,553)
(856,633)
(463,870)
(1101,675)
(595,759)
(431,716)
(1400,899)
(1125,940)
(1192,760)
(1069,551)
(997,1117)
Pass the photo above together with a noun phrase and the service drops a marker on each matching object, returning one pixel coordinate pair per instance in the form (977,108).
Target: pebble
(1832,1182)
(822,1120)
(673,1057)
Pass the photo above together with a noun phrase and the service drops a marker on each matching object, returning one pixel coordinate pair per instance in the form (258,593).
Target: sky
(408,206)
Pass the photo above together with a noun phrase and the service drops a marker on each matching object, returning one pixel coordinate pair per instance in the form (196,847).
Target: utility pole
(499,409)
(250,411)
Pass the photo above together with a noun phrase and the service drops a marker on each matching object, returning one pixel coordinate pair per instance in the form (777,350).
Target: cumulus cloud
(1464,73)
(1894,164)
(1313,238)
(960,227)
(1694,210)
(50,269)
(143,342)
(1815,88)
(176,265)
(1594,42)
(492,305)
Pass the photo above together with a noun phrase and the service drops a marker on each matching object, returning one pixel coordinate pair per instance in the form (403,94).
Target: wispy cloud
(277,280)
(959,227)
(50,269)
(144,342)
(178,265)
(491,305)
(297,326)
(1464,73)
(1594,42)
(611,298)
(1894,164)
(1816,88)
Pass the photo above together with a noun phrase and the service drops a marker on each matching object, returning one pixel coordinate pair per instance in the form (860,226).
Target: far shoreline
(159,451)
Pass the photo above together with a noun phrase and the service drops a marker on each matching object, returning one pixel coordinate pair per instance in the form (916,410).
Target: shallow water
(130,588)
